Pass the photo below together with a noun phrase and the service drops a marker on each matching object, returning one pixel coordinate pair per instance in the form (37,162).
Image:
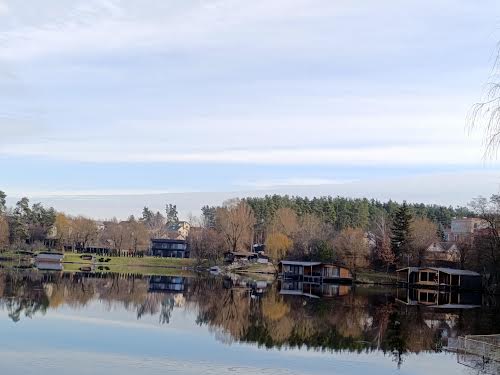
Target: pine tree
(401,232)
(172,216)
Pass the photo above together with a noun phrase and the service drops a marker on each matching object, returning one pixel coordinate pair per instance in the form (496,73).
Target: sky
(102,99)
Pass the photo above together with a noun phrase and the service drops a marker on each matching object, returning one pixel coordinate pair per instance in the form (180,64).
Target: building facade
(169,248)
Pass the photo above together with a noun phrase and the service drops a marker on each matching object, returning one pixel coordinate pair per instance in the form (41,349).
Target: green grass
(131,262)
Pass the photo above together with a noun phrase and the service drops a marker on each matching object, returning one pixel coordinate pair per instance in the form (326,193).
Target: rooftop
(299,263)
(451,271)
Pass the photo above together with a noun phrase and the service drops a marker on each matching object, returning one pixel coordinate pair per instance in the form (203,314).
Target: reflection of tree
(24,296)
(167,306)
(363,320)
(394,341)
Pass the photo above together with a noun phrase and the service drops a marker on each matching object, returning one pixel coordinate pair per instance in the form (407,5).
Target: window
(424,276)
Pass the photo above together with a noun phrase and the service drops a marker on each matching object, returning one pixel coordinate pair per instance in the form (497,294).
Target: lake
(102,323)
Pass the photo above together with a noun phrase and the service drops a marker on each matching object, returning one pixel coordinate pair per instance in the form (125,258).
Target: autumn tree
(311,230)
(424,233)
(84,232)
(236,221)
(138,235)
(278,245)
(206,244)
(352,247)
(285,221)
(64,229)
(383,252)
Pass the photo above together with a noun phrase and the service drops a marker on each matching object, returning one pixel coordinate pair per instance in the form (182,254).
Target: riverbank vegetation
(360,233)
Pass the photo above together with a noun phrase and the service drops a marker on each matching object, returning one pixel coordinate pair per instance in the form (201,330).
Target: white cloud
(4,8)
(419,154)
(295,181)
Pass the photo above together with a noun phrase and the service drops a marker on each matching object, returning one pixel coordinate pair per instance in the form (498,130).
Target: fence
(481,352)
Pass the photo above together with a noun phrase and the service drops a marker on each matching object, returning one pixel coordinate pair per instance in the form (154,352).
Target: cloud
(402,155)
(4,8)
(295,181)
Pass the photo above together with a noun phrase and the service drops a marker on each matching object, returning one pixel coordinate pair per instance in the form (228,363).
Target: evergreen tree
(440,232)
(147,215)
(401,232)
(172,215)
(3,206)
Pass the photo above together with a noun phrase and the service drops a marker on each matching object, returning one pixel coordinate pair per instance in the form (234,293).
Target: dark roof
(299,263)
(450,271)
(167,240)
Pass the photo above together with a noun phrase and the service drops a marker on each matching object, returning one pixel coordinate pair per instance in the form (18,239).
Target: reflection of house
(442,252)
(434,277)
(167,284)
(463,229)
(314,271)
(313,290)
(439,299)
(162,247)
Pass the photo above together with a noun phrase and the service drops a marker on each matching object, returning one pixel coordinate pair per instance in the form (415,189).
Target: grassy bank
(375,277)
(144,262)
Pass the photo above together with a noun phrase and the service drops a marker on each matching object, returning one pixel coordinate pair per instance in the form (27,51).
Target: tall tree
(3,201)
(209,216)
(236,221)
(401,231)
(4,232)
(172,215)
(352,247)
(424,233)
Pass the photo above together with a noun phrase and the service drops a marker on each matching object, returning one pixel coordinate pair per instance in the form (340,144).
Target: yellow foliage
(278,245)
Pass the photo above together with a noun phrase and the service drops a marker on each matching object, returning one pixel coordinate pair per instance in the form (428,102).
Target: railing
(486,347)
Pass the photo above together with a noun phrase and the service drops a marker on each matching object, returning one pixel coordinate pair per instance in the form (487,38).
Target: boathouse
(313,271)
(434,277)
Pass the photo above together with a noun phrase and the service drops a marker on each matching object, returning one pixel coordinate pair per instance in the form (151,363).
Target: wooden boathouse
(316,272)
(439,278)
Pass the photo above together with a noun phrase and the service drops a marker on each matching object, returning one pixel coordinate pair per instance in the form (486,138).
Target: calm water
(60,323)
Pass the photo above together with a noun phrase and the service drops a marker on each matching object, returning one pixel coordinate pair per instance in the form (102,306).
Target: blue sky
(124,97)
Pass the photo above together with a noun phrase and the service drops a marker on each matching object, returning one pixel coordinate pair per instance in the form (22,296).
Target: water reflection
(334,318)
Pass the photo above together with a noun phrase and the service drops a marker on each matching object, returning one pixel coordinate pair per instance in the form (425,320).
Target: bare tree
(84,231)
(381,228)
(236,222)
(285,221)
(4,232)
(352,247)
(424,234)
(206,244)
(485,114)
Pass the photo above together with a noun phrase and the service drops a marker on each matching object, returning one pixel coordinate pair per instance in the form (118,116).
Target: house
(314,271)
(439,277)
(438,299)
(169,248)
(167,284)
(442,252)
(463,228)
(313,290)
(181,230)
